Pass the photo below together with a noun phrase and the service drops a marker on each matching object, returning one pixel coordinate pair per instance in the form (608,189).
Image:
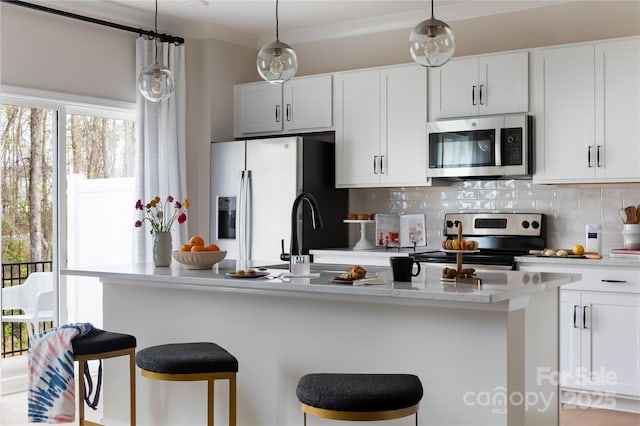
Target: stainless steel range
(501,237)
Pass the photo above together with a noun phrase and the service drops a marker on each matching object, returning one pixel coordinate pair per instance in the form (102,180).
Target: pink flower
(162,214)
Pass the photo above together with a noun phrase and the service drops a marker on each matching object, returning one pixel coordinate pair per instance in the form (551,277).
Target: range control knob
(449,224)
(535,224)
(525,224)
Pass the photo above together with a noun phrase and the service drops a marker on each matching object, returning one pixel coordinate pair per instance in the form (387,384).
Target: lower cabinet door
(570,339)
(611,342)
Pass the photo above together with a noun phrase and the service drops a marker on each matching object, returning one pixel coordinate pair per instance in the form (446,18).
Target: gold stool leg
(210,397)
(81,364)
(132,386)
(232,400)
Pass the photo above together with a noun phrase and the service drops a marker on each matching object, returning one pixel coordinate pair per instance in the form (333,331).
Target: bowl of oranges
(197,255)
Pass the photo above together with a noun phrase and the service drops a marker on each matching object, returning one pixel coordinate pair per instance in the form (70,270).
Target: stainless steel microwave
(491,146)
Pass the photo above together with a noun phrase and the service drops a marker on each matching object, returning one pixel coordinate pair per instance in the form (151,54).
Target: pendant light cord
(431,12)
(277,24)
(155,39)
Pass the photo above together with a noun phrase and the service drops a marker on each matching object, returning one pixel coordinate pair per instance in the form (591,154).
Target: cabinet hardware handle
(288,112)
(481,102)
(584,317)
(589,156)
(598,156)
(277,113)
(575,316)
(613,281)
(381,164)
(375,164)
(473,95)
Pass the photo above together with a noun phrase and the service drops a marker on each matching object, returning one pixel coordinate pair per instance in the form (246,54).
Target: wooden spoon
(631,213)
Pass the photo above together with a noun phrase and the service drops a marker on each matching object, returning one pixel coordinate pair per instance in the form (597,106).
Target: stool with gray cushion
(192,362)
(98,345)
(359,397)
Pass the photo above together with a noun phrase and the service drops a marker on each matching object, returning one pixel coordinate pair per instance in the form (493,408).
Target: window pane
(26,175)
(100,190)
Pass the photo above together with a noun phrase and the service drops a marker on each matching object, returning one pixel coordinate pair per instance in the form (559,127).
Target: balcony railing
(15,340)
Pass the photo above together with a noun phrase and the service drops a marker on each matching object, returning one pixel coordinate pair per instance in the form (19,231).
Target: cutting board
(625,251)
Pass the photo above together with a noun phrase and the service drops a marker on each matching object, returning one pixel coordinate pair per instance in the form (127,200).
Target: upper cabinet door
(565,114)
(357,109)
(404,134)
(454,89)
(308,103)
(483,85)
(503,83)
(617,71)
(258,108)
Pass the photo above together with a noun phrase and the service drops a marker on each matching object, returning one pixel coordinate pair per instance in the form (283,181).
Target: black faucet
(316,221)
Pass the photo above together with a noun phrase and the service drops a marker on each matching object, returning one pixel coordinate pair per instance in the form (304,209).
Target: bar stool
(359,397)
(98,345)
(192,362)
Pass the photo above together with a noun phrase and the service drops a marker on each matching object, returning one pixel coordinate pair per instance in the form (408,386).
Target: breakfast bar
(476,349)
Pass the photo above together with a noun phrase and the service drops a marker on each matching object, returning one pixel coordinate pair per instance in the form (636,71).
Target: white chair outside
(34,297)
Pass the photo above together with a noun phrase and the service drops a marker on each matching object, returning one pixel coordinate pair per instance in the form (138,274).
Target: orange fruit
(185,247)
(212,247)
(196,241)
(198,248)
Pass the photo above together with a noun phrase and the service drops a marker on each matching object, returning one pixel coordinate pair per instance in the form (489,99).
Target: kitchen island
(486,355)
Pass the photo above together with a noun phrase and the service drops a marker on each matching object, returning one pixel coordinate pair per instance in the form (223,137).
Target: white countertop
(427,288)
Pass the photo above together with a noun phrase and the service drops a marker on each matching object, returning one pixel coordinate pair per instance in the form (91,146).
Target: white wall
(48,52)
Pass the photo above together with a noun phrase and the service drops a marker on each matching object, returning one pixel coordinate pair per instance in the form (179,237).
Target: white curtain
(161,145)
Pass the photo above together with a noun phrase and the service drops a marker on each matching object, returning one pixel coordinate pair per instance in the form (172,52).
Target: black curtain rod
(162,37)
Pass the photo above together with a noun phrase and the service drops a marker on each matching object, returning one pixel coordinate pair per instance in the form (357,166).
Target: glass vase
(162,249)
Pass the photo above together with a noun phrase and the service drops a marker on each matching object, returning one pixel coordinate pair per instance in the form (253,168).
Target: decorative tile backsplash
(568,208)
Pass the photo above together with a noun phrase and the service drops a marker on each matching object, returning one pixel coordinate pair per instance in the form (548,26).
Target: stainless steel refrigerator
(253,185)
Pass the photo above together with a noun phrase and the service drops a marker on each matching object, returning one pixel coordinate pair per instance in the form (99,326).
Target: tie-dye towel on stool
(51,377)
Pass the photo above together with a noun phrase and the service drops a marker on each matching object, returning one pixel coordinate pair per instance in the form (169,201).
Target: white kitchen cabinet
(308,103)
(587,104)
(380,123)
(483,85)
(300,105)
(599,342)
(599,330)
(257,108)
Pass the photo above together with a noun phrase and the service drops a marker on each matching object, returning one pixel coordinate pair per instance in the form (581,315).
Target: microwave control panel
(512,148)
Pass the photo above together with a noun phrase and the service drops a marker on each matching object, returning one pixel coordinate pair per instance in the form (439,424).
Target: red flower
(138,224)
(139,205)
(182,218)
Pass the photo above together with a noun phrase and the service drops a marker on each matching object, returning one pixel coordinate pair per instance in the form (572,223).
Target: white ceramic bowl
(199,259)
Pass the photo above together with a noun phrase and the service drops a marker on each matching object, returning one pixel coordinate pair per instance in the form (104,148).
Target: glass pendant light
(156,82)
(277,62)
(432,43)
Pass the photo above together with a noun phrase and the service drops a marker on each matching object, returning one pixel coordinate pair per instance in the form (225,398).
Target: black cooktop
(487,257)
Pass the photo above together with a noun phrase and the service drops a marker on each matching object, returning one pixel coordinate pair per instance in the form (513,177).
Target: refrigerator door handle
(248,215)
(241,217)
